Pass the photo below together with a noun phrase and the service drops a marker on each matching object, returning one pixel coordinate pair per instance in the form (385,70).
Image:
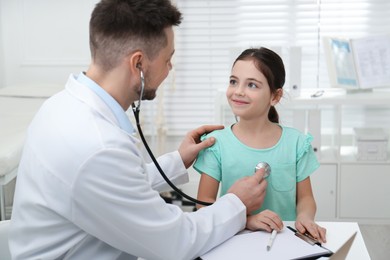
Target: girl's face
(249,94)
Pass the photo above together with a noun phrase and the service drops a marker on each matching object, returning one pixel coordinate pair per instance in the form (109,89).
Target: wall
(43,41)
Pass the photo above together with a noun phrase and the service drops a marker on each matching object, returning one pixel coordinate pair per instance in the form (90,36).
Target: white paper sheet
(253,245)
(372,60)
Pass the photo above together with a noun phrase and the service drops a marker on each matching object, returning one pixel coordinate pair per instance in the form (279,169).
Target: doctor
(83,189)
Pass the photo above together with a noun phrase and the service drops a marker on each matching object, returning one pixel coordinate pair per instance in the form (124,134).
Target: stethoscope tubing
(136,111)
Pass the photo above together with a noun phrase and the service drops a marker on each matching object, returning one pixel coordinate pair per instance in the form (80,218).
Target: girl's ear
(276,96)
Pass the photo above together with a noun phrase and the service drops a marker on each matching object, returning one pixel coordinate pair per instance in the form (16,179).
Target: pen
(271,239)
(292,229)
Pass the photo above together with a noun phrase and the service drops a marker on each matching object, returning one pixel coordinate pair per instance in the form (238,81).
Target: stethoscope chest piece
(267,168)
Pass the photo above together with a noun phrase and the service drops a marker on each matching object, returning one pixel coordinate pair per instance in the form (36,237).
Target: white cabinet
(324,186)
(364,191)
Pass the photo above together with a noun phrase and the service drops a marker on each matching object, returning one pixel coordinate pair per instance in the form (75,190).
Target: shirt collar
(117,110)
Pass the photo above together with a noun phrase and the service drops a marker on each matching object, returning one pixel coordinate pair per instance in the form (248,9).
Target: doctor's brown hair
(118,28)
(272,67)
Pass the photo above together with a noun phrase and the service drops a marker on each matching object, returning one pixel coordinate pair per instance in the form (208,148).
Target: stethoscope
(136,111)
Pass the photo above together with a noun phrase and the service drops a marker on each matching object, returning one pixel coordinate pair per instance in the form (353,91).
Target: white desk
(18,106)
(246,246)
(336,96)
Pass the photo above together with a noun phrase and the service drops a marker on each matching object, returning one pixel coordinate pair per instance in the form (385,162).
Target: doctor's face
(159,67)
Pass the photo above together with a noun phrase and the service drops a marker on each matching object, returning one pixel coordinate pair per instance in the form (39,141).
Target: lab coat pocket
(283,177)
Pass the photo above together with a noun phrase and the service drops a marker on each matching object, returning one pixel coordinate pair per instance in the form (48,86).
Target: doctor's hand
(192,145)
(266,220)
(250,190)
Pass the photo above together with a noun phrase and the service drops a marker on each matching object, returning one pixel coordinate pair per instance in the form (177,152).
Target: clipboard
(312,241)
(288,244)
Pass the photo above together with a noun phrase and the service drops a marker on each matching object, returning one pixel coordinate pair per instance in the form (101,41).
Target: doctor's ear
(135,61)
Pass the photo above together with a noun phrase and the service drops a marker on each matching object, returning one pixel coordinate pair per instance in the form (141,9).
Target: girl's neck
(257,134)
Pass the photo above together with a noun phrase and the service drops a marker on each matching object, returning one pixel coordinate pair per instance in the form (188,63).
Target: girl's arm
(207,190)
(306,206)
(306,210)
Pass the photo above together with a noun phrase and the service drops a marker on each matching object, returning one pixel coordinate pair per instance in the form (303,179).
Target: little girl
(255,87)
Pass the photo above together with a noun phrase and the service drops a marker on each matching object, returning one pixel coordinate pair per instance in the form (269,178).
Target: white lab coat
(84,192)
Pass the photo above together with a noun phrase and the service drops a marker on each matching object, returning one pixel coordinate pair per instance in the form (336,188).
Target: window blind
(214,32)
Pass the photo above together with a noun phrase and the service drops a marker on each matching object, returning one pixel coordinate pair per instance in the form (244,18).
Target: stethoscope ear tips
(267,168)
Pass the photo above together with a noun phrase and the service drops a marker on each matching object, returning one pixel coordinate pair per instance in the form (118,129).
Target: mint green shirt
(292,160)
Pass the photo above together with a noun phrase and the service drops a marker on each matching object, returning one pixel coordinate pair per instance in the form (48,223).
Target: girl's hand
(266,220)
(304,224)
